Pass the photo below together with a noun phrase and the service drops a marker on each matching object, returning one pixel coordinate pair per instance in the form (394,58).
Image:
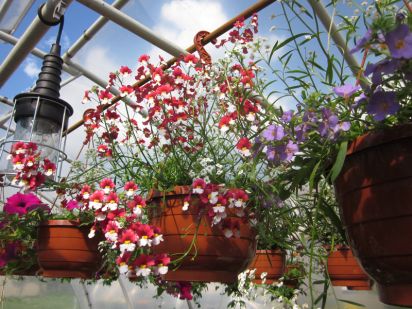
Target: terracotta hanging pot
(213,257)
(66,251)
(272,262)
(344,270)
(374,191)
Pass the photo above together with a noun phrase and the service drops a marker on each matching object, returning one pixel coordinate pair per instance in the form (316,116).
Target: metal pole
(90,32)
(30,38)
(6,101)
(133,26)
(125,294)
(213,35)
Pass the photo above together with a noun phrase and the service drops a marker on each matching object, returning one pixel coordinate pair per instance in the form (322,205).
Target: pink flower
(130,187)
(22,203)
(128,241)
(85,192)
(190,59)
(72,204)
(107,185)
(124,70)
(96,200)
(185,290)
(49,167)
(136,205)
(161,261)
(145,233)
(111,231)
(111,202)
(143,264)
(123,261)
(144,59)
(198,186)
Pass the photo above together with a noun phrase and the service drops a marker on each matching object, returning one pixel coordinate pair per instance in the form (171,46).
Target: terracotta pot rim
(177,190)
(61,222)
(380,137)
(265,251)
(338,247)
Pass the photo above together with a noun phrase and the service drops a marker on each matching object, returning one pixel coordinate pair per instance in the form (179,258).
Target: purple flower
(362,42)
(329,122)
(399,42)
(381,68)
(287,116)
(288,151)
(273,132)
(382,104)
(22,203)
(346,90)
(359,99)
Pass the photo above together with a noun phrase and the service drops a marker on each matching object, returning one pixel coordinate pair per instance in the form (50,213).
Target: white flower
(213,197)
(228,233)
(111,206)
(143,271)
(144,241)
(138,210)
(157,239)
(111,236)
(198,190)
(185,206)
(128,246)
(123,268)
(92,233)
(161,270)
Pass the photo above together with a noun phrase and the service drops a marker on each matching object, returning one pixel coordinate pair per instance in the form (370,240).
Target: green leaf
(278,46)
(351,302)
(313,175)
(340,159)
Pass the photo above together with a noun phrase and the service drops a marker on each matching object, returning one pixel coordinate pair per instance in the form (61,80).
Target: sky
(175,20)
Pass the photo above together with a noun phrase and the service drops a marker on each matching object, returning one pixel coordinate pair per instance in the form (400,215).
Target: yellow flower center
(142,266)
(400,44)
(144,237)
(112,202)
(127,242)
(96,201)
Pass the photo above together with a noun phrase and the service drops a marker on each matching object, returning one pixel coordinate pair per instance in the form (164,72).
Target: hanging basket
(207,257)
(271,262)
(374,191)
(344,270)
(66,251)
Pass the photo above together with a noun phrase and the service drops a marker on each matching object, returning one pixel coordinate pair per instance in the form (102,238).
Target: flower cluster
(119,216)
(21,204)
(181,113)
(31,169)
(220,203)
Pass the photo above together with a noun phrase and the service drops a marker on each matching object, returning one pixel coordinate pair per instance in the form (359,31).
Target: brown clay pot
(271,262)
(374,191)
(344,270)
(214,258)
(66,251)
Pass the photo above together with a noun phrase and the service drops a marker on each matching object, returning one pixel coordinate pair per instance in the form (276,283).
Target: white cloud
(180,20)
(31,68)
(65,42)
(98,60)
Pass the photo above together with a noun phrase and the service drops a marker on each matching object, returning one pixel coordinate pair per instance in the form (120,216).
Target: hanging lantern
(41,118)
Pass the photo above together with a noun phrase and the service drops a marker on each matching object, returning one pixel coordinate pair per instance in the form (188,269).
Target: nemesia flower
(107,185)
(21,203)
(125,71)
(105,96)
(49,167)
(85,192)
(138,204)
(186,204)
(111,202)
(157,237)
(130,187)
(145,233)
(143,264)
(122,262)
(190,59)
(185,290)
(144,59)
(243,146)
(96,200)
(111,230)
(161,262)
(198,186)
(346,90)
(382,104)
(18,148)
(126,90)
(128,241)
(399,42)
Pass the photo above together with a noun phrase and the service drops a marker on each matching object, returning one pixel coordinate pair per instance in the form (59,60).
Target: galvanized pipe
(133,26)
(30,38)
(90,32)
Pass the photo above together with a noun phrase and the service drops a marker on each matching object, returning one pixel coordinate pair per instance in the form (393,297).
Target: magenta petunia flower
(399,42)
(346,90)
(382,104)
(22,203)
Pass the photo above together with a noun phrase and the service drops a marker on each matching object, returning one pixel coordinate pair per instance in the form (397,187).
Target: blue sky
(175,20)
